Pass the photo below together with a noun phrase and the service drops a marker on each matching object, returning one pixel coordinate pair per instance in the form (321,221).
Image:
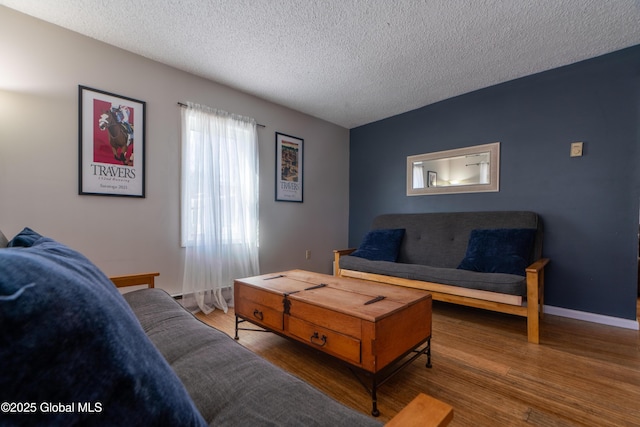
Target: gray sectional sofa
(490,260)
(230,385)
(74,351)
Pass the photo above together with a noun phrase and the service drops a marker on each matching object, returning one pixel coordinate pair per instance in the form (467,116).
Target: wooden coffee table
(372,327)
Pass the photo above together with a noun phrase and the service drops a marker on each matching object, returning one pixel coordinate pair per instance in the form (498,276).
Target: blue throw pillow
(70,345)
(381,245)
(24,239)
(499,250)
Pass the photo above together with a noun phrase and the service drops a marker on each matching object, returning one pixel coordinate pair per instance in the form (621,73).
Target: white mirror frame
(494,170)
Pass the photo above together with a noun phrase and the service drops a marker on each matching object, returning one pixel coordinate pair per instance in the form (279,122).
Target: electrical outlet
(307,254)
(576,149)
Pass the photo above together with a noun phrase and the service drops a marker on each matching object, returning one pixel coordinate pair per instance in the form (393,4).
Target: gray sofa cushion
(434,244)
(230,385)
(511,284)
(440,239)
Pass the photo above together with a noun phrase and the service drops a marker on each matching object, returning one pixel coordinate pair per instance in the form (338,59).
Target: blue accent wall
(589,205)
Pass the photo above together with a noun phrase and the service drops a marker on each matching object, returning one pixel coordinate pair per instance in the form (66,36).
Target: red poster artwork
(112,133)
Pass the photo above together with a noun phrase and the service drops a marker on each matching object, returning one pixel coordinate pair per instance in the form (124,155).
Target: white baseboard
(592,317)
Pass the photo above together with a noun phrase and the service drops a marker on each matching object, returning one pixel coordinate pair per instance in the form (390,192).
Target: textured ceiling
(352,62)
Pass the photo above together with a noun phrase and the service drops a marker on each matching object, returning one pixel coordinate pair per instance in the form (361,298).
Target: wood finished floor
(582,374)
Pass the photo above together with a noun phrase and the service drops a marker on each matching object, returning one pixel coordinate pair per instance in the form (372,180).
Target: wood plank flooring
(582,374)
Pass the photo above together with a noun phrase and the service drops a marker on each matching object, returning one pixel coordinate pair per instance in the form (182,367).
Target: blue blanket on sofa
(72,352)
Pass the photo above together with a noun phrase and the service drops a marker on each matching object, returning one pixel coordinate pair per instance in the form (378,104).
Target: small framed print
(112,144)
(289,168)
(432,179)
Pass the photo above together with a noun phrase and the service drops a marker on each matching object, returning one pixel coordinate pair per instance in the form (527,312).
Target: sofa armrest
(423,411)
(537,266)
(535,298)
(337,253)
(343,252)
(135,280)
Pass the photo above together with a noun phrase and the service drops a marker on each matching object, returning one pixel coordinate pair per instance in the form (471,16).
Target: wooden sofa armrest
(535,298)
(337,253)
(423,411)
(135,280)
(537,266)
(342,252)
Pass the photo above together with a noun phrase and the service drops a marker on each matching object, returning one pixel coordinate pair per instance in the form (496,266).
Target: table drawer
(260,307)
(260,296)
(342,346)
(260,314)
(328,319)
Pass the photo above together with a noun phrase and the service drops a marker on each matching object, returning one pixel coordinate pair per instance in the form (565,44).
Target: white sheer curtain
(219,205)
(418,176)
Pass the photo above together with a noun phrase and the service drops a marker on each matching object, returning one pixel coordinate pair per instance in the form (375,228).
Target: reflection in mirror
(463,170)
(460,170)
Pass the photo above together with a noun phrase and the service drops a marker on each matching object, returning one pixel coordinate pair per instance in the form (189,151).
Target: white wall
(41,66)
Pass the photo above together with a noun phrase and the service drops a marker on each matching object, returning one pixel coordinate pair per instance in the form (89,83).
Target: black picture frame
(112,146)
(289,168)
(432,179)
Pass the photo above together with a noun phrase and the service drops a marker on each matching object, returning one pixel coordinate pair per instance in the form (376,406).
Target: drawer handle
(258,314)
(316,337)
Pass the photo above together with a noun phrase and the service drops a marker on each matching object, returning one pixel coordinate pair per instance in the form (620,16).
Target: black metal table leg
(374,399)
(236,337)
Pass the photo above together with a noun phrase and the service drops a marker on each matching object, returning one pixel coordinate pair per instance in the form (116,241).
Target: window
(220,177)
(219,206)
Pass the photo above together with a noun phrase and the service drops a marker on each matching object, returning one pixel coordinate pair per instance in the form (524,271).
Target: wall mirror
(462,170)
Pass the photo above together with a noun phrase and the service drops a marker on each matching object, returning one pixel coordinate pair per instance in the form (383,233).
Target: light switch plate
(576,149)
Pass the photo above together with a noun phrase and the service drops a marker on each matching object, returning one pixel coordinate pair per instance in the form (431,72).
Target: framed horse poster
(289,164)
(112,144)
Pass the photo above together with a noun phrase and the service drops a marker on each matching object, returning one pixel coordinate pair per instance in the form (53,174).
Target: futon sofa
(489,260)
(74,351)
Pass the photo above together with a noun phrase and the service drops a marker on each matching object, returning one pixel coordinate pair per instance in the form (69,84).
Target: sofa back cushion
(440,239)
